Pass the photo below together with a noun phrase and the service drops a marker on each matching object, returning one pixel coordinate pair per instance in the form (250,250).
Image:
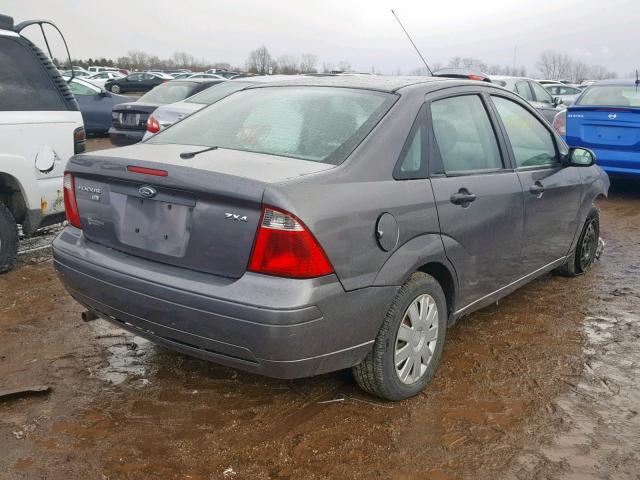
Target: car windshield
(169,92)
(611,96)
(217,92)
(321,124)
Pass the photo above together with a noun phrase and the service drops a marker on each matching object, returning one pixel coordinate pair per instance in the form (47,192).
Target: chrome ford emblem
(147,192)
(612,116)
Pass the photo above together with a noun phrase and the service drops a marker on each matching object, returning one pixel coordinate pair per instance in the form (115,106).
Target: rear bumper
(122,137)
(618,162)
(273,326)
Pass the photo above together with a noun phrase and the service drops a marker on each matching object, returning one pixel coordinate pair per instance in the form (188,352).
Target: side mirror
(557,101)
(104,93)
(580,157)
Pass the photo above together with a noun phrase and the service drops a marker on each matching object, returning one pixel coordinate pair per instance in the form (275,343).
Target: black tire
(581,259)
(8,239)
(115,89)
(377,373)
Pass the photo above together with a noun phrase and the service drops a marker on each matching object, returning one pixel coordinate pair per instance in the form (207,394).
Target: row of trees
(555,65)
(262,62)
(551,65)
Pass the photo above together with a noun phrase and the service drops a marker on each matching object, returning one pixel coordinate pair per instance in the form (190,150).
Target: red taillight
(477,77)
(286,248)
(148,171)
(560,123)
(79,140)
(153,126)
(70,205)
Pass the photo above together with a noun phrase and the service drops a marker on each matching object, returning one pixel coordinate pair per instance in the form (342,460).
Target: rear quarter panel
(24,134)
(341,206)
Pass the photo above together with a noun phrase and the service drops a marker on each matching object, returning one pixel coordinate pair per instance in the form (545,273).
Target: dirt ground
(544,385)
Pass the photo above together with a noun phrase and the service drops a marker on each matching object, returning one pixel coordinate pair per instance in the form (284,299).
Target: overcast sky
(362,32)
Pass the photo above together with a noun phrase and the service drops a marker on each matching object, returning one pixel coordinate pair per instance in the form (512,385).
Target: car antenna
(188,155)
(637,81)
(414,45)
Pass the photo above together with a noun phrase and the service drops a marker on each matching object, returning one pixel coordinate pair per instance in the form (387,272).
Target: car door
(149,81)
(85,96)
(543,102)
(478,195)
(551,191)
(131,82)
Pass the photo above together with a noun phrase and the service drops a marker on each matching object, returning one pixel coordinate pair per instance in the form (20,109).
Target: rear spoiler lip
(602,108)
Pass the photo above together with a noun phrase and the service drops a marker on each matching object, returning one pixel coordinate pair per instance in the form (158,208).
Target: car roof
(367,82)
(628,82)
(509,77)
(198,80)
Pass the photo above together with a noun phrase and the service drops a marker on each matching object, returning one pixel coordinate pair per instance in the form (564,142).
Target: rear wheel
(582,258)
(115,89)
(8,239)
(409,345)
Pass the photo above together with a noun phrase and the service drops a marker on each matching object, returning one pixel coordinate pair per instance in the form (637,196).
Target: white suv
(40,128)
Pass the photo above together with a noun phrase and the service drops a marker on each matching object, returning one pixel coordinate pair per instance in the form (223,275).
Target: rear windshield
(218,92)
(321,124)
(169,92)
(611,96)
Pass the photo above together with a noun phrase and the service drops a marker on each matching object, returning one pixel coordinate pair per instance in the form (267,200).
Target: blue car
(95,105)
(606,119)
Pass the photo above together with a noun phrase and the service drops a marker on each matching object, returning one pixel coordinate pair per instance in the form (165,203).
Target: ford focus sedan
(328,223)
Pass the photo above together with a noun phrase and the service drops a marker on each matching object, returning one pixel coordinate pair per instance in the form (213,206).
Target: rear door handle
(536,189)
(463,197)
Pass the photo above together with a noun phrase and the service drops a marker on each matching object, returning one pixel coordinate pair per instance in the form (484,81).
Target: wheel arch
(11,194)
(446,280)
(426,254)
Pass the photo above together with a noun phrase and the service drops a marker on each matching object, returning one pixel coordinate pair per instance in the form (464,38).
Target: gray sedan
(533,92)
(567,93)
(328,223)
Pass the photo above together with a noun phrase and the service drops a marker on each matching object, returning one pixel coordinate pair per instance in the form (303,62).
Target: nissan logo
(612,116)
(147,192)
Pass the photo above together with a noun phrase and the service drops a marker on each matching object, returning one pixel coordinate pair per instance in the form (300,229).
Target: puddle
(127,356)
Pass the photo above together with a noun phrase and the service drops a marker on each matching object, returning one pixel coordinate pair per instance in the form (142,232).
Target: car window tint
(24,83)
(412,160)
(134,77)
(464,135)
(321,124)
(217,92)
(532,143)
(541,94)
(79,89)
(522,89)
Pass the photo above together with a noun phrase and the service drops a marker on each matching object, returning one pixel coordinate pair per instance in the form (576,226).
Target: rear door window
(532,143)
(24,82)
(541,94)
(522,89)
(464,135)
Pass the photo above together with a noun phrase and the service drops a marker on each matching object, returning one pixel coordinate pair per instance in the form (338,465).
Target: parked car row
(129,120)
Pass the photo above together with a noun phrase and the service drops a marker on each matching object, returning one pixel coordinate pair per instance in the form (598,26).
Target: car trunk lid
(200,213)
(131,116)
(613,128)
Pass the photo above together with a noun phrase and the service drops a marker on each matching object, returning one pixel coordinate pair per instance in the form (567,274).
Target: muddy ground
(542,385)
